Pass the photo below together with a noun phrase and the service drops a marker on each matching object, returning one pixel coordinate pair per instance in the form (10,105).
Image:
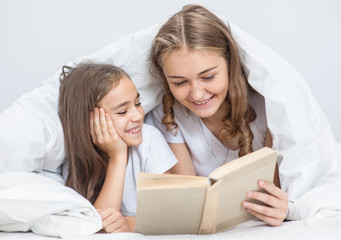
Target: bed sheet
(312,229)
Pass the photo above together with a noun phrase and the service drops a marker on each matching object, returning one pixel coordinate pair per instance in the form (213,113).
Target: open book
(179,204)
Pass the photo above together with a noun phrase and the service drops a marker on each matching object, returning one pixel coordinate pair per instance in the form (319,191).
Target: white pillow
(32,202)
(31,136)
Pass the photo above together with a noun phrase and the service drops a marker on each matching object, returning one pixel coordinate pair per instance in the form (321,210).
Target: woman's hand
(104,135)
(277,203)
(113,221)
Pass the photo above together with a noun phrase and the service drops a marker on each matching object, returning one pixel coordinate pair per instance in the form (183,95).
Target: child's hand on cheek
(113,221)
(104,135)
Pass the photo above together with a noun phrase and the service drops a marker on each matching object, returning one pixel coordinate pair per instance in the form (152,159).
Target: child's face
(123,105)
(197,79)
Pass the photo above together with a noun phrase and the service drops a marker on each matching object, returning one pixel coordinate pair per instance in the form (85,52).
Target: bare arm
(185,165)
(104,135)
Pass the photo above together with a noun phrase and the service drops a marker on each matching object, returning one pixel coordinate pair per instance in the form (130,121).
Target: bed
(35,204)
(312,229)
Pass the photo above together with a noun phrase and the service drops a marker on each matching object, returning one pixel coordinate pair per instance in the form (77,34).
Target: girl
(105,155)
(209,114)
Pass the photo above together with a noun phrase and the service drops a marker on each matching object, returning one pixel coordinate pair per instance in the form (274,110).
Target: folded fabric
(301,133)
(32,202)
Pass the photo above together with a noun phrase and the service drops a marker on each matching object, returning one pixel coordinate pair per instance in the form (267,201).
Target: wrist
(118,157)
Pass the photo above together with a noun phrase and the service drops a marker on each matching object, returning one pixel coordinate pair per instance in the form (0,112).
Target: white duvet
(29,201)
(31,140)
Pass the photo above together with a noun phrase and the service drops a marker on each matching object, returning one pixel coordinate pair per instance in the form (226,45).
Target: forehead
(125,90)
(195,60)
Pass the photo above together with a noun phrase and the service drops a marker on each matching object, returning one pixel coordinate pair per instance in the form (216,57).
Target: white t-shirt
(207,152)
(153,155)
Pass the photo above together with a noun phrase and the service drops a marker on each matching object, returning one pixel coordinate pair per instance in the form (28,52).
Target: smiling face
(198,80)
(123,104)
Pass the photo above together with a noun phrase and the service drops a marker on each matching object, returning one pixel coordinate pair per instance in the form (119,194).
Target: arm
(104,135)
(276,199)
(185,165)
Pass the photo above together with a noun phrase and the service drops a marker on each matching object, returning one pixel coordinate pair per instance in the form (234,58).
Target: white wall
(38,36)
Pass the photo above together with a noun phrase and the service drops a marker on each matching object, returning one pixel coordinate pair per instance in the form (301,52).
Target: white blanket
(307,150)
(29,201)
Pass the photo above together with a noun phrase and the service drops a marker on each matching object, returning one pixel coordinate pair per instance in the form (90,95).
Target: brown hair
(196,28)
(81,89)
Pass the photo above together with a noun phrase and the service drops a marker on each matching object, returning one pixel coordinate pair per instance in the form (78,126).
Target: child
(102,119)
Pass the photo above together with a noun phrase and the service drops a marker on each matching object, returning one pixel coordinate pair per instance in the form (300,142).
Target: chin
(204,114)
(134,143)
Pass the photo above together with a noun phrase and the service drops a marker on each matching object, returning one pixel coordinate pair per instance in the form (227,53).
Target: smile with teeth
(205,101)
(134,130)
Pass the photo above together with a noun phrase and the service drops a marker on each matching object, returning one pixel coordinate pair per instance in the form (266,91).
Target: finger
(113,227)
(273,190)
(264,210)
(266,198)
(269,220)
(113,223)
(110,125)
(105,213)
(96,125)
(103,123)
(92,131)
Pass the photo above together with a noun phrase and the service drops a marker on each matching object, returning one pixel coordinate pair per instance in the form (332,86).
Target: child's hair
(81,90)
(195,28)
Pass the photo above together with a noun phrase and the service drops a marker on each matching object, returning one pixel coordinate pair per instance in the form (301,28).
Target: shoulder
(156,112)
(150,133)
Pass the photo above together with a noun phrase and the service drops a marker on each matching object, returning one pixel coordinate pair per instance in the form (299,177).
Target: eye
(138,104)
(178,84)
(122,112)
(209,77)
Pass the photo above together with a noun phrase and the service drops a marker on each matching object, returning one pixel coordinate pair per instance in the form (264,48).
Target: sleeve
(154,118)
(160,157)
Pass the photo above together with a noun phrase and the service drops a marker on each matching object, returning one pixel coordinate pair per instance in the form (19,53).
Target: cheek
(119,125)
(142,112)
(179,92)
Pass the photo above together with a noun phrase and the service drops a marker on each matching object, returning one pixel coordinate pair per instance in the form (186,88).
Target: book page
(150,180)
(237,179)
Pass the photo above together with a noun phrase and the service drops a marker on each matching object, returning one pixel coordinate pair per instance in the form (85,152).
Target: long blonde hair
(81,89)
(196,28)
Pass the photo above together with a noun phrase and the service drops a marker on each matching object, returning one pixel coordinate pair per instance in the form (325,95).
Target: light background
(37,37)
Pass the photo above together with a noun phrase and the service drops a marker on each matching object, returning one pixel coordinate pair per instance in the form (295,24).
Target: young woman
(106,155)
(209,114)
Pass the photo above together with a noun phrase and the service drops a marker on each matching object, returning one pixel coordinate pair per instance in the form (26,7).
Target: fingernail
(245,204)
(249,194)
(261,183)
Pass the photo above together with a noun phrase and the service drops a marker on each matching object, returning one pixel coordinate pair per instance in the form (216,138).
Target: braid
(168,120)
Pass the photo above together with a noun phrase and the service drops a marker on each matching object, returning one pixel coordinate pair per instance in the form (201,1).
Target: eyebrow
(205,71)
(126,102)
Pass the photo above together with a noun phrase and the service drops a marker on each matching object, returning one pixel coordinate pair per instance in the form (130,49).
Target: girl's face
(197,79)
(123,105)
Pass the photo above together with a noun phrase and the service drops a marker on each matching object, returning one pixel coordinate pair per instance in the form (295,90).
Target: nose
(137,114)
(197,91)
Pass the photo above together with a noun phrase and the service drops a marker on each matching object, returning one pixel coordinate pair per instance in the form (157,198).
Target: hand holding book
(178,204)
(274,197)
